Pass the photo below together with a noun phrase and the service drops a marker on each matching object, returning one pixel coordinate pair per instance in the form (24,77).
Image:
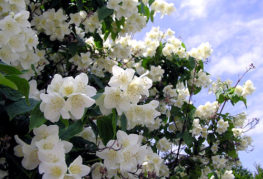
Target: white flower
(115,98)
(156,73)
(222,126)
(81,85)
(228,175)
(128,160)
(110,155)
(88,134)
(53,105)
(248,88)
(55,84)
(33,91)
(9,26)
(29,152)
(128,140)
(68,86)
(164,145)
(121,78)
(44,131)
(76,104)
(7,55)
(239,90)
(48,144)
(77,168)
(54,171)
(96,170)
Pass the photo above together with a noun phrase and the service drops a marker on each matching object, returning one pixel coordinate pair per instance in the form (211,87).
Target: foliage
(79,96)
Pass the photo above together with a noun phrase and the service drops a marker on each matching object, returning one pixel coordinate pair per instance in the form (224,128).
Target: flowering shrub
(79,97)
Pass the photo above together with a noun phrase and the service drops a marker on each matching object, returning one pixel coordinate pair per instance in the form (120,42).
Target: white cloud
(236,64)
(194,9)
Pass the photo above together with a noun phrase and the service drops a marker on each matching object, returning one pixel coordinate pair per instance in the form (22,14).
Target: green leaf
(37,118)
(9,70)
(22,84)
(98,40)
(11,94)
(20,107)
(123,122)
(105,128)
(114,122)
(232,154)
(191,63)
(152,15)
(183,45)
(73,129)
(104,12)
(79,142)
(150,2)
(5,82)
(188,139)
(79,4)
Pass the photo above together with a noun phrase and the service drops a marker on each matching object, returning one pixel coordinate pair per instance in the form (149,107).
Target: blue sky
(235,31)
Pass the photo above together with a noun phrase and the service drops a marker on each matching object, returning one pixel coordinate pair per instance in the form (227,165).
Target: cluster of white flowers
(196,128)
(156,73)
(228,175)
(237,132)
(125,89)
(67,97)
(219,161)
(222,126)
(92,22)
(247,89)
(240,119)
(52,23)
(245,142)
(219,85)
(177,96)
(164,145)
(128,9)
(17,40)
(206,111)
(127,156)
(121,48)
(174,46)
(214,147)
(47,152)
(202,52)
(143,115)
(201,79)
(77,18)
(163,7)
(15,6)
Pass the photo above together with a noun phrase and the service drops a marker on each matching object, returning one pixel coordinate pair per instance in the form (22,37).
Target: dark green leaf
(79,4)
(123,122)
(152,15)
(37,118)
(105,128)
(188,139)
(11,94)
(20,107)
(79,142)
(114,122)
(6,82)
(73,129)
(21,83)
(9,70)
(98,40)
(150,2)
(104,12)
